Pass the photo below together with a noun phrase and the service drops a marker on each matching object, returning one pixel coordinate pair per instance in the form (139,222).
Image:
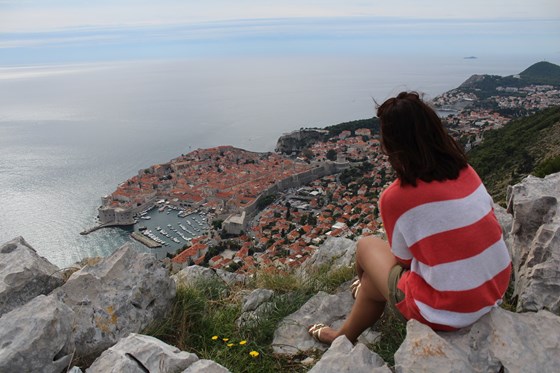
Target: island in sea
(274,209)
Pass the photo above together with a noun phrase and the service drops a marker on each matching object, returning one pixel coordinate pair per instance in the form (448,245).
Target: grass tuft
(393,333)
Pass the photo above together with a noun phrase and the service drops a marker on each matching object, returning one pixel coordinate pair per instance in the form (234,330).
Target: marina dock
(145,240)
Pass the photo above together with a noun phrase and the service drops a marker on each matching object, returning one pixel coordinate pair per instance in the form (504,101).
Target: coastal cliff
(90,315)
(296,141)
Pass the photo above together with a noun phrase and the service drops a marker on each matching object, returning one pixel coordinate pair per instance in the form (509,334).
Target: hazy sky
(69,31)
(42,15)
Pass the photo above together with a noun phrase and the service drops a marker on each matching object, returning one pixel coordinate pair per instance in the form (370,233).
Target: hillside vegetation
(525,146)
(484,86)
(370,123)
(542,73)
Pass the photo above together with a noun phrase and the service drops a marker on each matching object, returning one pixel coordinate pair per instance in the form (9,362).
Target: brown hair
(417,144)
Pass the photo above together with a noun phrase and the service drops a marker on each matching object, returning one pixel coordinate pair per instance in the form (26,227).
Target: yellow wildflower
(230,344)
(215,338)
(243,342)
(225,339)
(254,354)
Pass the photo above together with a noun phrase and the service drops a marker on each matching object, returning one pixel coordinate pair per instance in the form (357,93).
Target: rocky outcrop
(141,353)
(296,141)
(255,304)
(505,219)
(24,275)
(535,242)
(343,356)
(231,278)
(291,336)
(121,294)
(37,337)
(526,342)
(335,252)
(206,366)
(514,342)
(191,275)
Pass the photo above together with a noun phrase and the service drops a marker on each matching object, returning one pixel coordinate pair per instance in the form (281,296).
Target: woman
(446,263)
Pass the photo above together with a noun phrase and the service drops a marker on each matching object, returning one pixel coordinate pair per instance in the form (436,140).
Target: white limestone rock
(231,278)
(192,274)
(140,353)
(206,366)
(291,336)
(343,356)
(336,252)
(257,297)
(516,342)
(535,242)
(255,304)
(505,220)
(24,275)
(424,350)
(120,294)
(36,337)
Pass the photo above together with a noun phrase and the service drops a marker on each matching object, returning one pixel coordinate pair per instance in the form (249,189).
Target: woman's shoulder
(424,192)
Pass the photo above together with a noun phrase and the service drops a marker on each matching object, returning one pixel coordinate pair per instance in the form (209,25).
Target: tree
(331,155)
(312,220)
(307,153)
(217,224)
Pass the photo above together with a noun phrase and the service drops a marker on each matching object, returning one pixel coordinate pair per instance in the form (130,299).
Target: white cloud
(37,16)
(35,42)
(30,72)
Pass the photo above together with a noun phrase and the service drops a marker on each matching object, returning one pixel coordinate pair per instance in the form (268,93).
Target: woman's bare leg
(374,261)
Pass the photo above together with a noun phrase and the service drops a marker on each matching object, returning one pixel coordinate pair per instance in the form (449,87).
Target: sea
(69,134)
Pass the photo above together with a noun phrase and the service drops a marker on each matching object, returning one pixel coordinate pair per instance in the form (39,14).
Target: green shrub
(547,167)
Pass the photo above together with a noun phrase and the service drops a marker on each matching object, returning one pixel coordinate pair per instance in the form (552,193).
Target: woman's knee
(370,243)
(373,253)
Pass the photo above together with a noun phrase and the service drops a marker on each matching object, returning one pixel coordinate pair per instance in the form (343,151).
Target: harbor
(163,228)
(167,229)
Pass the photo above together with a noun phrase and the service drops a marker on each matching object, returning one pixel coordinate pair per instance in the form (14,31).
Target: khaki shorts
(395,294)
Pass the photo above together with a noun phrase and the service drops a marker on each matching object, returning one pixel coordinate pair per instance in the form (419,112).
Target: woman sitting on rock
(446,263)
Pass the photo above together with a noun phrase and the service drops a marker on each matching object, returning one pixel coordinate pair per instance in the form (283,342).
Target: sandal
(355,287)
(315,331)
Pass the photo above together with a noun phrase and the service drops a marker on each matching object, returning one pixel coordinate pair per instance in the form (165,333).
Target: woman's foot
(322,333)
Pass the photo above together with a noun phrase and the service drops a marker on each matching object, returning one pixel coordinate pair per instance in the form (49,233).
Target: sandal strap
(355,287)
(315,331)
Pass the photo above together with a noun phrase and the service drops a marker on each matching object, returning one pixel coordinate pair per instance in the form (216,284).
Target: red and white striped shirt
(448,235)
